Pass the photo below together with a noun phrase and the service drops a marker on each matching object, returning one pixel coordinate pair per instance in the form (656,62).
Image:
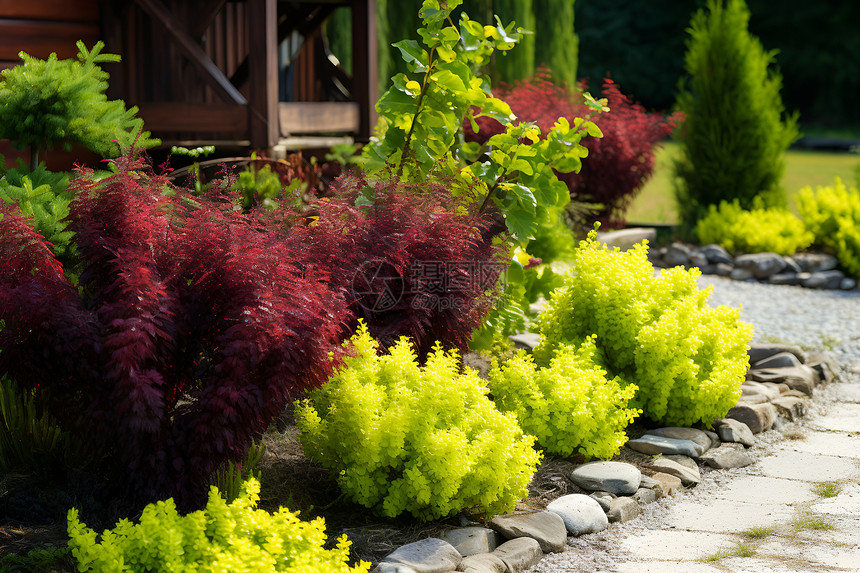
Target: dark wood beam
(186,44)
(364,67)
(204,12)
(263,73)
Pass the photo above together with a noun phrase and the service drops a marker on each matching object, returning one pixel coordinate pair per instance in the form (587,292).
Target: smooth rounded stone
(604,498)
(615,477)
(668,483)
(758,417)
(787,278)
(692,434)
(708,269)
(645,495)
(738,274)
(727,456)
(731,430)
(386,567)
(699,260)
(723,269)
(677,255)
(581,514)
(545,527)
(716,254)
(472,540)
(778,388)
(672,466)
(778,360)
(801,377)
(791,407)
(848,284)
(482,563)
(761,350)
(824,370)
(649,444)
(750,387)
(626,238)
(761,265)
(519,554)
(431,555)
(715,438)
(753,399)
(623,509)
(525,341)
(791,266)
(815,262)
(824,280)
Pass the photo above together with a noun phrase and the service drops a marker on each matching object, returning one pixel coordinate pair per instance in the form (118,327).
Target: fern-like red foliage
(189,331)
(618,164)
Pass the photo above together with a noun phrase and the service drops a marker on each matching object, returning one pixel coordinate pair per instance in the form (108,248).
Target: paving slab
(665,567)
(766,490)
(658,544)
(843,417)
(725,516)
(836,444)
(787,464)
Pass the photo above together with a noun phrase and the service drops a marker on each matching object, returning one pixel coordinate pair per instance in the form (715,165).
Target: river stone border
(526,535)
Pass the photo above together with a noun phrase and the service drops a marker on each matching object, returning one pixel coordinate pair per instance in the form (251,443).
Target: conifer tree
(556,44)
(517,64)
(736,130)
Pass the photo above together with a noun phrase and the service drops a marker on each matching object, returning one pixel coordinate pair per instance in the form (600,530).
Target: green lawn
(655,203)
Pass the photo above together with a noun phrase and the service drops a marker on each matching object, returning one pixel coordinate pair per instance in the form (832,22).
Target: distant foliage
(426,440)
(832,215)
(754,231)
(225,536)
(735,130)
(658,332)
(570,406)
(188,332)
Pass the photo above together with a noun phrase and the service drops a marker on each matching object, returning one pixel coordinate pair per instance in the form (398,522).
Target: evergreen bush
(832,215)
(736,132)
(754,231)
(658,332)
(427,440)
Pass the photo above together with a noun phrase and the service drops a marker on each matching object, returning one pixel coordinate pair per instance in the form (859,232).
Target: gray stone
(753,388)
(758,417)
(431,555)
(824,280)
(736,431)
(741,274)
(692,434)
(673,466)
(716,254)
(778,360)
(761,265)
(728,455)
(645,495)
(791,266)
(786,278)
(615,477)
(848,284)
(824,370)
(604,498)
(698,260)
(386,567)
(753,399)
(715,438)
(677,254)
(723,269)
(801,377)
(472,540)
(482,563)
(626,238)
(708,269)
(519,554)
(761,350)
(668,483)
(649,444)
(526,341)
(791,407)
(581,514)
(545,527)
(815,262)
(623,509)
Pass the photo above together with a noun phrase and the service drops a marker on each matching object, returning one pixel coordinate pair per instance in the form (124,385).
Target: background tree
(557,46)
(736,131)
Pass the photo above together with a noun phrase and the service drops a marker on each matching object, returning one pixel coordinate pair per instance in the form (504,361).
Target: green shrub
(569,406)
(405,438)
(230,477)
(754,231)
(687,358)
(222,537)
(832,215)
(735,132)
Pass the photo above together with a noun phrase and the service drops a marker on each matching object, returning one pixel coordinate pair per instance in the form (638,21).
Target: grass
(815,523)
(827,489)
(655,204)
(740,550)
(759,532)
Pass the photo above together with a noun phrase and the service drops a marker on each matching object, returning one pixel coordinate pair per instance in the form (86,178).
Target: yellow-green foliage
(832,214)
(758,230)
(687,358)
(233,537)
(569,406)
(424,440)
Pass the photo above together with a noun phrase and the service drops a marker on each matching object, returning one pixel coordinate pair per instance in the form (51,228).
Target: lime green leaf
(416,58)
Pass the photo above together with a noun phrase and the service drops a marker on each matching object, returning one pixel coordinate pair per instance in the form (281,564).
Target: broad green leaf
(521,165)
(523,195)
(520,224)
(448,81)
(415,56)
(500,158)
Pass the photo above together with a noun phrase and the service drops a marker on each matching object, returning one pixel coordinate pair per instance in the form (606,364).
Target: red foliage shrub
(618,165)
(189,331)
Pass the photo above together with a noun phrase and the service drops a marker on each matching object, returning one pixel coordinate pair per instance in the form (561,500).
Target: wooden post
(262,16)
(364,68)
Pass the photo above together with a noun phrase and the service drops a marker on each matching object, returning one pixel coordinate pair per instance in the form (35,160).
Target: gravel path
(814,320)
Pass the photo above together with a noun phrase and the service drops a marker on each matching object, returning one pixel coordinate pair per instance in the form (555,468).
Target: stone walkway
(797,509)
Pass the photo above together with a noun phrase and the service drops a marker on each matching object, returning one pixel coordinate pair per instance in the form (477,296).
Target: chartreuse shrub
(427,440)
(757,230)
(234,537)
(570,406)
(658,332)
(832,215)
